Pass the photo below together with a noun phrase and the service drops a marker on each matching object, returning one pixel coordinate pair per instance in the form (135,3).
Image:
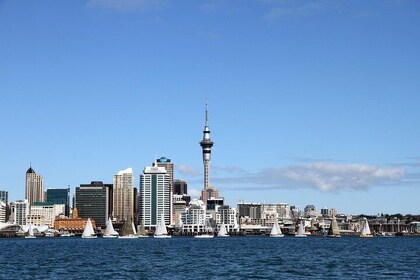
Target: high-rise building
(226,215)
(34,190)
(59,196)
(4,196)
(3,210)
(19,211)
(180,187)
(123,195)
(93,201)
(206,145)
(169,167)
(194,218)
(155,196)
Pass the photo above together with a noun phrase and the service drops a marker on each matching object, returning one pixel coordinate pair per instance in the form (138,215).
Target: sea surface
(217,258)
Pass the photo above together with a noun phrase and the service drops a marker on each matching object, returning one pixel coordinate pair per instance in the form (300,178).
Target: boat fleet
(129,231)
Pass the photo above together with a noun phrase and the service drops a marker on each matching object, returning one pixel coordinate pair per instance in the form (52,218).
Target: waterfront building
(325,212)
(155,196)
(59,196)
(123,193)
(294,212)
(279,211)
(19,211)
(180,187)
(227,215)
(3,211)
(45,213)
(194,218)
(34,189)
(4,196)
(213,203)
(74,225)
(249,213)
(93,201)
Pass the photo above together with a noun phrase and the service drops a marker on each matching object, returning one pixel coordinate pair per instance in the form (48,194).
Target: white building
(227,215)
(123,192)
(3,209)
(19,210)
(44,214)
(155,196)
(194,218)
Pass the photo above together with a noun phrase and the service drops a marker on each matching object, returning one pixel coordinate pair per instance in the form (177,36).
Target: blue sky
(310,102)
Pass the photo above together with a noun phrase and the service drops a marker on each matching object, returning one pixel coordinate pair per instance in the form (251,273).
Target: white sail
(109,230)
(366,229)
(275,230)
(31,231)
(88,232)
(161,231)
(222,231)
(134,228)
(300,231)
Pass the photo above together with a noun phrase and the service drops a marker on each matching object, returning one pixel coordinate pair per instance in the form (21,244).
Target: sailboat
(208,231)
(301,231)
(141,232)
(30,232)
(161,231)
(88,231)
(275,230)
(334,231)
(109,230)
(222,231)
(127,230)
(366,230)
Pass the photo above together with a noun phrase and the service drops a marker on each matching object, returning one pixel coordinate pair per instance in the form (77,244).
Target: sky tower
(206,145)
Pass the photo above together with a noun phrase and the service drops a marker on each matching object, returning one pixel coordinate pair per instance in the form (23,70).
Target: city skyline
(309,104)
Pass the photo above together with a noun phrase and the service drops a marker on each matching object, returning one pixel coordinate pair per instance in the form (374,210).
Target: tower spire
(206,145)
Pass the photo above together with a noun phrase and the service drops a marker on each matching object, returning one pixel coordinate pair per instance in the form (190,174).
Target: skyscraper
(123,195)
(206,145)
(169,166)
(60,196)
(19,211)
(34,191)
(180,187)
(4,196)
(155,196)
(92,201)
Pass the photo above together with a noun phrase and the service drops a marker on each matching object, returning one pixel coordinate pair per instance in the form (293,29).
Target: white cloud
(326,177)
(194,193)
(186,170)
(127,5)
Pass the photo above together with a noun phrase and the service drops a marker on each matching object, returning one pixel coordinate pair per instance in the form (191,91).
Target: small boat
(301,231)
(334,231)
(127,230)
(30,232)
(222,231)
(88,232)
(366,230)
(109,230)
(161,231)
(276,230)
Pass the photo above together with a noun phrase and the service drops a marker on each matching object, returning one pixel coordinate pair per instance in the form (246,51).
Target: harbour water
(217,258)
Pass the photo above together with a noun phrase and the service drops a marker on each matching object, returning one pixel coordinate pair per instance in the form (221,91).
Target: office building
(155,196)
(59,196)
(4,196)
(123,195)
(169,167)
(19,211)
(93,201)
(44,213)
(34,189)
(180,187)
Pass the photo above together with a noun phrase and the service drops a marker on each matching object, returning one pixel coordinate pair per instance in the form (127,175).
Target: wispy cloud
(187,170)
(194,193)
(284,8)
(128,5)
(326,177)
(231,169)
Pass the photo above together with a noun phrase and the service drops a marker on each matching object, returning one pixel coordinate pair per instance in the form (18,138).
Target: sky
(310,102)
